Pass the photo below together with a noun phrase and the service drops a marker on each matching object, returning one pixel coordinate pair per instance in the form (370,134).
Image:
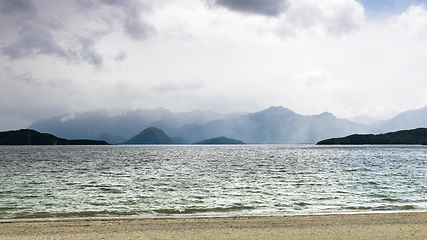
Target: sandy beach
(348,226)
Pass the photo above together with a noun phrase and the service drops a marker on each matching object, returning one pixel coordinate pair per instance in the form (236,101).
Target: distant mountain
(220,140)
(364,119)
(275,125)
(415,136)
(407,120)
(115,126)
(150,135)
(32,137)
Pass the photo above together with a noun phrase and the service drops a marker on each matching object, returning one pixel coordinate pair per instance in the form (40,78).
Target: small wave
(302,204)
(82,214)
(391,199)
(203,210)
(383,208)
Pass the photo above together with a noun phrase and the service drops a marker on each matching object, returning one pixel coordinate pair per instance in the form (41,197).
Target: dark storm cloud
(17,6)
(134,26)
(36,31)
(129,15)
(34,40)
(88,53)
(137,29)
(34,36)
(271,8)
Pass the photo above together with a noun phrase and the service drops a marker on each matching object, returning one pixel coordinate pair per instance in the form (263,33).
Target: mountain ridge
(410,119)
(275,125)
(118,125)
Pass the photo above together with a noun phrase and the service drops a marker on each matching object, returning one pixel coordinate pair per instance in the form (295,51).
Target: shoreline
(401,225)
(177,216)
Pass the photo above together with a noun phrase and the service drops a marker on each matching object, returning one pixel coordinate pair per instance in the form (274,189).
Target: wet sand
(349,226)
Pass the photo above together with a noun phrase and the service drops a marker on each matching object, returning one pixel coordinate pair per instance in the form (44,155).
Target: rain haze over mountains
(323,61)
(272,125)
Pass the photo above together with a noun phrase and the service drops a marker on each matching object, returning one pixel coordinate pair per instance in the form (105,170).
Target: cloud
(88,53)
(28,79)
(319,90)
(335,17)
(129,14)
(69,31)
(34,40)
(33,37)
(412,23)
(121,56)
(173,86)
(312,78)
(270,8)
(135,27)
(26,7)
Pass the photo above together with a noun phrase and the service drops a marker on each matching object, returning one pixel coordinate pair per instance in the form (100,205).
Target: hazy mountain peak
(364,119)
(407,120)
(276,110)
(160,109)
(326,115)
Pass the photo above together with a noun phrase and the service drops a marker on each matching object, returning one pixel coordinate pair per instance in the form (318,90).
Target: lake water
(57,182)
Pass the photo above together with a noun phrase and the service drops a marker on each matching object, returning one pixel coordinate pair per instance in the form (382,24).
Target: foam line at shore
(180,216)
(404,225)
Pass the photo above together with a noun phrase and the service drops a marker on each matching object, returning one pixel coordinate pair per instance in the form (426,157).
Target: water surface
(195,181)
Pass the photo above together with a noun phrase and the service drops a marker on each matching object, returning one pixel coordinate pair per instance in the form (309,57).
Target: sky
(347,57)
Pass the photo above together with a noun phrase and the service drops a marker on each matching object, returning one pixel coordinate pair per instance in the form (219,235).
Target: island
(32,137)
(411,137)
(220,140)
(151,135)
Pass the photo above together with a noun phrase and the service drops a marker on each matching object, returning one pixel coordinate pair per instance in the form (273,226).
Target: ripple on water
(115,181)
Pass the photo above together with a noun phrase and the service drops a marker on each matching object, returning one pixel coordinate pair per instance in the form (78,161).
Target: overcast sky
(346,57)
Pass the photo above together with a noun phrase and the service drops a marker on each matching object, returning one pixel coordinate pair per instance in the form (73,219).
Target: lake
(149,181)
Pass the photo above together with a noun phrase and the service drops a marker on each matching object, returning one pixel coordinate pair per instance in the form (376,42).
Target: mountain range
(117,126)
(275,125)
(272,125)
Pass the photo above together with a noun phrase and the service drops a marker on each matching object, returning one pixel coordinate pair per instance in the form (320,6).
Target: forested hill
(220,140)
(32,137)
(415,136)
(151,135)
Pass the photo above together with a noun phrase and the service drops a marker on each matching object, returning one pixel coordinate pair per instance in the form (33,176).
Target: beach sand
(340,226)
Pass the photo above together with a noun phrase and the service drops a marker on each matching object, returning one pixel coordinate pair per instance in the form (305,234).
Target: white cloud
(310,78)
(336,17)
(174,86)
(412,23)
